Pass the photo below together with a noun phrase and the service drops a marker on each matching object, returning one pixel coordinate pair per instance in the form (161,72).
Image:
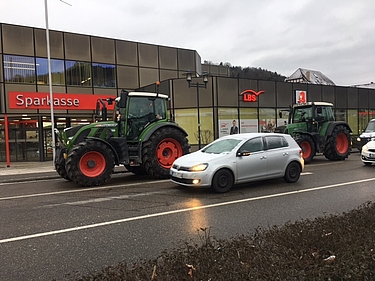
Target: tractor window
(302,114)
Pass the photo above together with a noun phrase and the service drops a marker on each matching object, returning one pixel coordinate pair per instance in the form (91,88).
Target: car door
(277,148)
(251,160)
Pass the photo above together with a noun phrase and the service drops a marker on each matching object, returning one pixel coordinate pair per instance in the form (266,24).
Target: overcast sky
(336,37)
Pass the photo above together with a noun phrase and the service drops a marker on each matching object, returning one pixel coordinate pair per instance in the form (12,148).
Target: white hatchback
(238,159)
(368,152)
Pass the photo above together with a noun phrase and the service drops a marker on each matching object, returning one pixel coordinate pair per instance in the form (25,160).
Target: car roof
(245,136)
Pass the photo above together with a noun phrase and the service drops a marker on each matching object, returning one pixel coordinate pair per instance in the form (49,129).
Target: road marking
(84,227)
(78,190)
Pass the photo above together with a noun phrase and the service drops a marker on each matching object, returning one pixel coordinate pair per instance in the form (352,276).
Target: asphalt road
(50,227)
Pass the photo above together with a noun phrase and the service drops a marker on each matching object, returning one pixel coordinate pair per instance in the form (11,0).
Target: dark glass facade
(90,65)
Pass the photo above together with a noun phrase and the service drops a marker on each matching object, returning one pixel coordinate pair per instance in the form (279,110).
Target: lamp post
(197,85)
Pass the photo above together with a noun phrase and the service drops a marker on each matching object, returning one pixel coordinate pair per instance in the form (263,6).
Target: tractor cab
(310,117)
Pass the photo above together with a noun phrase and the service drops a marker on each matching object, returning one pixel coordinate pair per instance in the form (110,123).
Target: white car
(368,152)
(238,159)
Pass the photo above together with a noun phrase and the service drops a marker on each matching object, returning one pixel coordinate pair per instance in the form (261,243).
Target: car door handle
(263,157)
(285,153)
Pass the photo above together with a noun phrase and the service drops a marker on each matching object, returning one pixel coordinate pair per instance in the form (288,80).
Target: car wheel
(292,172)
(222,181)
(367,163)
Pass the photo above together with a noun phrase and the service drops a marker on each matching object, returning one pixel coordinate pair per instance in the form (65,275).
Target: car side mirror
(243,153)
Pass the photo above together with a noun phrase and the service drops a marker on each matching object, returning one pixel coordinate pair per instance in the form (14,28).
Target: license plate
(176,175)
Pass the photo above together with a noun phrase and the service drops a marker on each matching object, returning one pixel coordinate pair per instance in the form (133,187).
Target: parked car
(367,134)
(368,152)
(240,158)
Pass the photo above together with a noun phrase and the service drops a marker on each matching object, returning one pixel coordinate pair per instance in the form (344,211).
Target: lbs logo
(251,95)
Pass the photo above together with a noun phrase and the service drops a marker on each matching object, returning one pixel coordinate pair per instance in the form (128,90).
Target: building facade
(86,67)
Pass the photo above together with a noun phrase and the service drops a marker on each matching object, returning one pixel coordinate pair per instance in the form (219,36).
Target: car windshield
(370,127)
(221,146)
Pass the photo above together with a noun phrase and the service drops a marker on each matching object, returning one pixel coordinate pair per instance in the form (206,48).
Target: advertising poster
(246,126)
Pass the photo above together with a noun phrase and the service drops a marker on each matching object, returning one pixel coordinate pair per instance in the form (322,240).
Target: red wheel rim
(92,164)
(342,143)
(306,149)
(167,151)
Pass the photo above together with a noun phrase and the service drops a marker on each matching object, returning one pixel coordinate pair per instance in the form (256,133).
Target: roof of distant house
(309,76)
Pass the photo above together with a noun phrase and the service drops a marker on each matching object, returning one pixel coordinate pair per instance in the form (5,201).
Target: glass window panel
(126,53)
(19,69)
(78,73)
(18,40)
(77,47)
(188,120)
(57,71)
(148,55)
(103,75)
(103,50)
(127,77)
(186,60)
(168,58)
(267,119)
(226,117)
(248,120)
(363,115)
(340,115)
(353,121)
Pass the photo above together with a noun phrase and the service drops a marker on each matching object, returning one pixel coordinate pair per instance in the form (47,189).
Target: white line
(84,189)
(42,234)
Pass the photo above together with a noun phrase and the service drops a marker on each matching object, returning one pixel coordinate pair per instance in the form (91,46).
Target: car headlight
(199,167)
(364,148)
(358,139)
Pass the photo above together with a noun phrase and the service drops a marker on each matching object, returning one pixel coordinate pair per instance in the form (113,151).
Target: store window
(78,73)
(267,120)
(353,121)
(248,122)
(57,71)
(363,118)
(226,118)
(19,69)
(103,75)
(188,120)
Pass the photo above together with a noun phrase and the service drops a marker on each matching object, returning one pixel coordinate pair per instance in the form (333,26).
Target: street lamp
(197,85)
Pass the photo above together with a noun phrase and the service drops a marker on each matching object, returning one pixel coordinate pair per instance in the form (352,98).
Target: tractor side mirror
(319,110)
(124,96)
(280,114)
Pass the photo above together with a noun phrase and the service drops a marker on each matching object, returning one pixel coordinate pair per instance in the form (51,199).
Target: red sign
(251,95)
(30,100)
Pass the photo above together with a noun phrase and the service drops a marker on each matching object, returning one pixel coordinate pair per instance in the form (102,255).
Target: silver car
(368,152)
(238,159)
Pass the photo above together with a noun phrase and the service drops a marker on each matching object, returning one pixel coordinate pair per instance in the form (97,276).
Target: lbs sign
(250,95)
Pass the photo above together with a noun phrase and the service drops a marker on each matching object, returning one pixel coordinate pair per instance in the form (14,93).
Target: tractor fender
(333,124)
(314,137)
(149,133)
(109,145)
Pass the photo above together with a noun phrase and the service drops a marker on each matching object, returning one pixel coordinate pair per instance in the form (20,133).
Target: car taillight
(300,152)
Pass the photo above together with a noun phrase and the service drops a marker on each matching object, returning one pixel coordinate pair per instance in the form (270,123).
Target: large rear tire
(159,152)
(90,163)
(308,148)
(338,144)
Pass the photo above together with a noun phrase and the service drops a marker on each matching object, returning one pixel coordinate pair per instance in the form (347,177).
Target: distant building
(308,76)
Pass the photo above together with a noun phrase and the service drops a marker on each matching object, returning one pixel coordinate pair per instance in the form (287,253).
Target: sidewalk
(20,168)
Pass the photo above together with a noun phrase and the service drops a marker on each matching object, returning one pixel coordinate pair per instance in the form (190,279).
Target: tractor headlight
(199,167)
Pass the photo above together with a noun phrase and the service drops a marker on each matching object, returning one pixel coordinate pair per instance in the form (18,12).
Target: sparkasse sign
(32,100)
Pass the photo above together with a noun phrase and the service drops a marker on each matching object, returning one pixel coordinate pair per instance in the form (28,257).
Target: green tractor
(314,128)
(141,138)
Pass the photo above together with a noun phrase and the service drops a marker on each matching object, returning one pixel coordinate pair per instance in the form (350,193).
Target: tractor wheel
(337,146)
(60,168)
(308,148)
(160,151)
(90,163)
